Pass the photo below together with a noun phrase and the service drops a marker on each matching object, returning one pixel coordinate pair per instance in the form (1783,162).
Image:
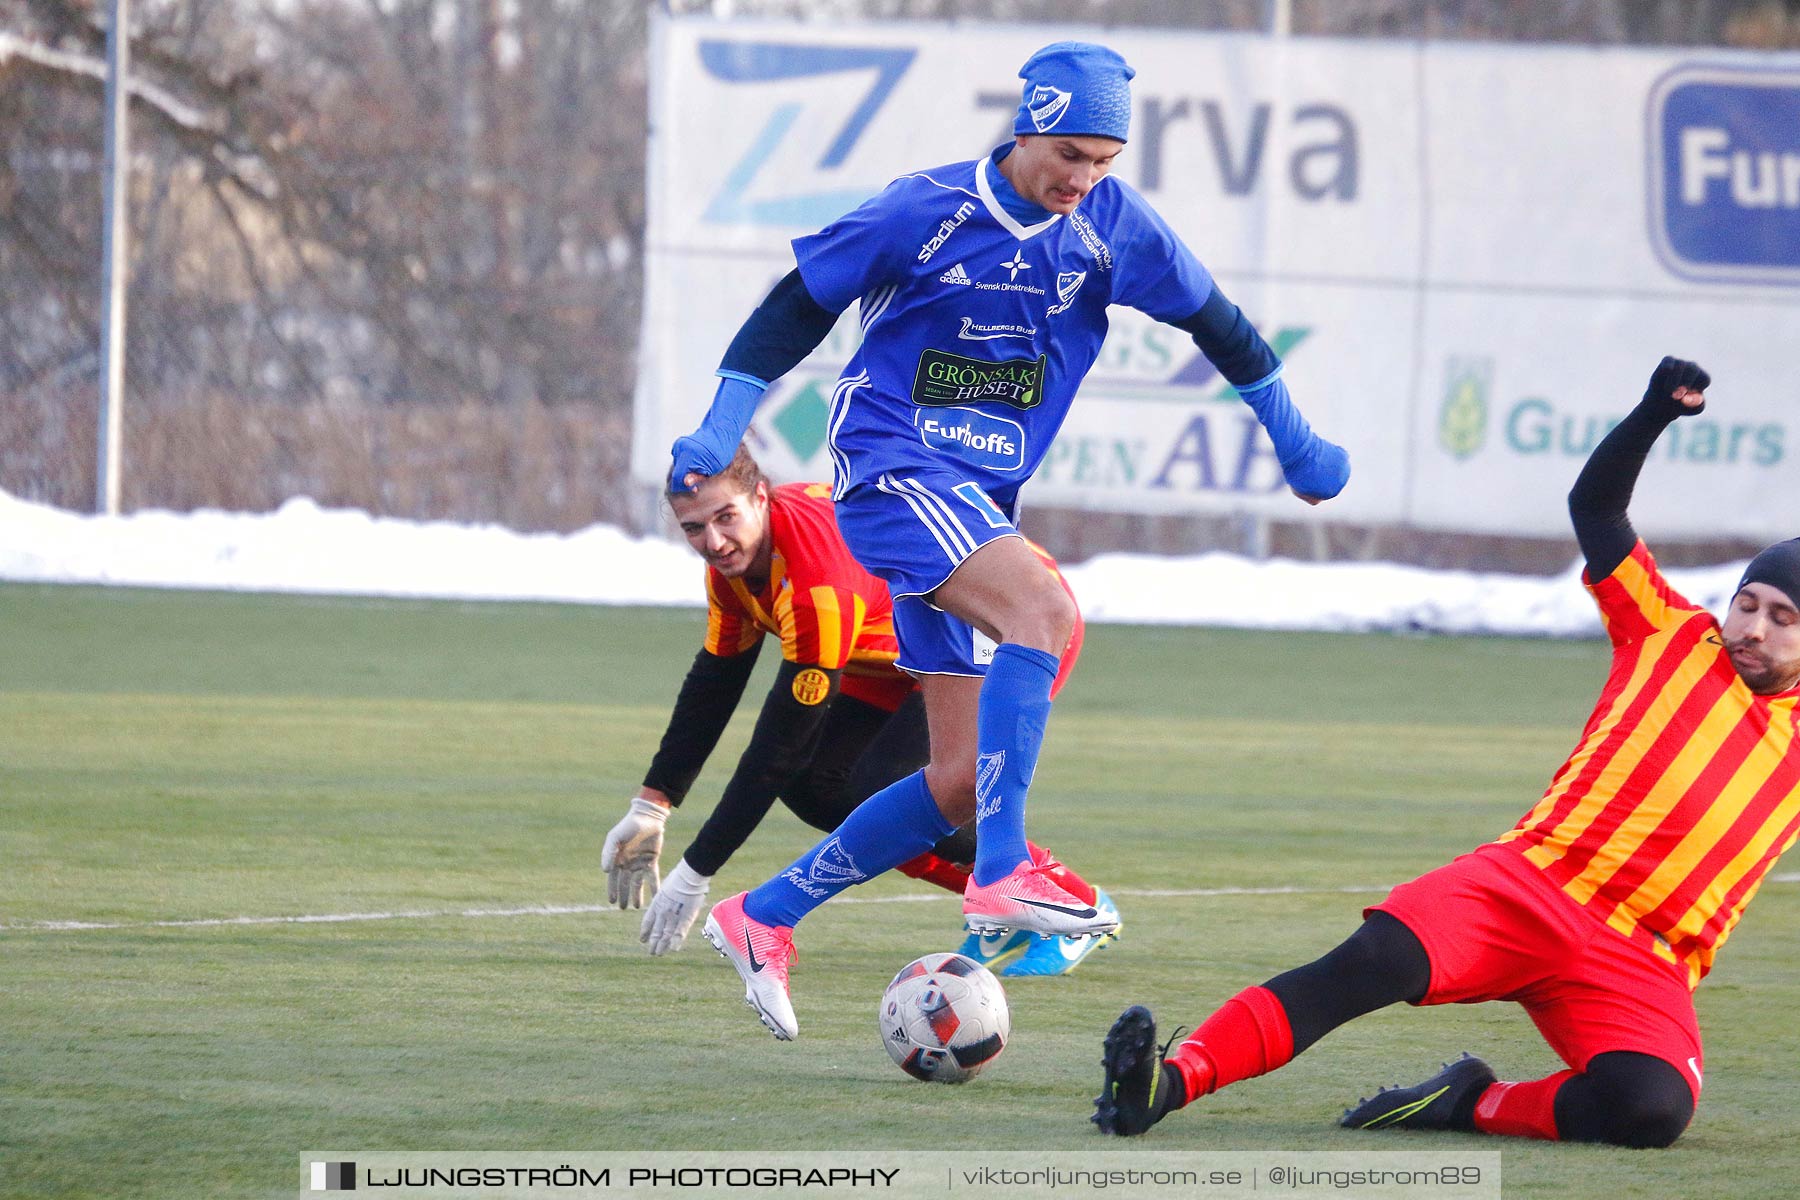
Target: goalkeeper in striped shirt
(840,723)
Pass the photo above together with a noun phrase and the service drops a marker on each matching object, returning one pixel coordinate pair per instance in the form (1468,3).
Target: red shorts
(1495,928)
(886,691)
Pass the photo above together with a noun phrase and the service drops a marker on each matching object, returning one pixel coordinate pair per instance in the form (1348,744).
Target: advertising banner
(1470,257)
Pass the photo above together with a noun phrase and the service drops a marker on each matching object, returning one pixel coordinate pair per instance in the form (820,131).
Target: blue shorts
(912,531)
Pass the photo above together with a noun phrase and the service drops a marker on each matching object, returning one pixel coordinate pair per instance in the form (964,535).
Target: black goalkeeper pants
(861,750)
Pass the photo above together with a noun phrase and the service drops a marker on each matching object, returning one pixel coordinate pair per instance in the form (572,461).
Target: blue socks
(902,820)
(1015,704)
(899,822)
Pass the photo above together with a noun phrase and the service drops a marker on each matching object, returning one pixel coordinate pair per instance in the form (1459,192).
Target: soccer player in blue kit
(983,288)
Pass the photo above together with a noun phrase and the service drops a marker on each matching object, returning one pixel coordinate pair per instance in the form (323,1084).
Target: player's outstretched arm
(1602,491)
(633,848)
(786,327)
(709,695)
(1316,469)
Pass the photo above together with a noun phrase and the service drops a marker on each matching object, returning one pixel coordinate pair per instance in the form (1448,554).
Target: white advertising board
(1470,257)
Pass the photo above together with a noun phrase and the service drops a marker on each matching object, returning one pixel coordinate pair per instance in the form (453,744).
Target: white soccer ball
(944,1018)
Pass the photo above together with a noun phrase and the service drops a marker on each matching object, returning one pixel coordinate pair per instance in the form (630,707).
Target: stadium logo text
(934,243)
(1725,174)
(992,442)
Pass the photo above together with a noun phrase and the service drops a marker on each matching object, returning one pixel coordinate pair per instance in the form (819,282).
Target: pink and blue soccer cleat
(1030,899)
(992,949)
(762,955)
(1060,955)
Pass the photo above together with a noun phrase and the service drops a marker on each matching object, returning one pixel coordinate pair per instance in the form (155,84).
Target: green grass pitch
(179,757)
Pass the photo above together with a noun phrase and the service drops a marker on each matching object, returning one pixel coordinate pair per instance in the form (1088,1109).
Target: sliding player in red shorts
(1601,910)
(840,723)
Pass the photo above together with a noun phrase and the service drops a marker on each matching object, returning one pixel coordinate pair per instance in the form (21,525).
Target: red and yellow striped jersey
(1684,788)
(828,611)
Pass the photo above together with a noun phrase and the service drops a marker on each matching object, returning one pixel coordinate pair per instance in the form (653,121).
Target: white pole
(115,262)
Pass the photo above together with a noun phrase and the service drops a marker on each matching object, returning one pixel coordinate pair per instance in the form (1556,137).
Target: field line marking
(560,910)
(544,910)
(564,910)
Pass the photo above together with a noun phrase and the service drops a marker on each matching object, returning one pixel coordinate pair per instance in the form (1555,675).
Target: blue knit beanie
(1077,89)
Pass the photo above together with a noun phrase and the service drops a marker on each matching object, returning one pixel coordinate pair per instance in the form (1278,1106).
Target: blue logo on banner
(1725,174)
(771,62)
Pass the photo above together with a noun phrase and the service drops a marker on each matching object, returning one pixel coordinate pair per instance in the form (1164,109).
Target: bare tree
(432,202)
(388,253)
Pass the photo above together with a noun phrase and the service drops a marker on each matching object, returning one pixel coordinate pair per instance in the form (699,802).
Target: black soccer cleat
(1445,1101)
(1140,1088)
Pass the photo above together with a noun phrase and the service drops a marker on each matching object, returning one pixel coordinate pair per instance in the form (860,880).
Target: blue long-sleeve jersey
(978,329)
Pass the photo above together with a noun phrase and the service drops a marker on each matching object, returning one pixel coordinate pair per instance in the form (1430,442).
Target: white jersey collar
(1007,221)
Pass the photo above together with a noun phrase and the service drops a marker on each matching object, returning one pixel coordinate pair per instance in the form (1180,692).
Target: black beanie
(1779,567)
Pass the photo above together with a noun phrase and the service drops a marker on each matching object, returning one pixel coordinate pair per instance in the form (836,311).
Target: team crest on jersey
(1047,106)
(811,686)
(1067,284)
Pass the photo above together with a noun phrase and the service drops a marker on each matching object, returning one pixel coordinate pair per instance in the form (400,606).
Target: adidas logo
(956,274)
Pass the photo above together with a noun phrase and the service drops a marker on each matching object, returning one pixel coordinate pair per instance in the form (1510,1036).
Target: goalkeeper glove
(672,913)
(630,854)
